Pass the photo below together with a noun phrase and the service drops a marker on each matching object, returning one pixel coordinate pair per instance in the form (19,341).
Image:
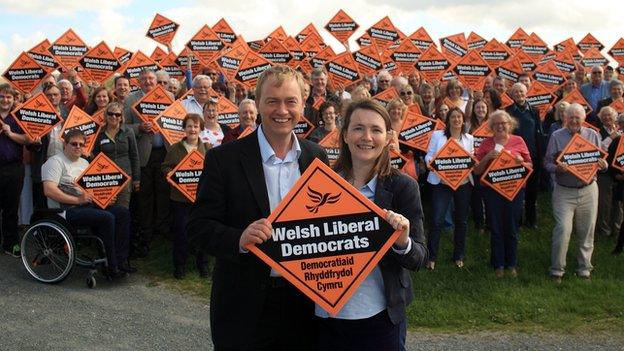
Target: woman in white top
(213,131)
(442,194)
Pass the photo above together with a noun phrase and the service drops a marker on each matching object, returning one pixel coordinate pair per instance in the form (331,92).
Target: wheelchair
(51,247)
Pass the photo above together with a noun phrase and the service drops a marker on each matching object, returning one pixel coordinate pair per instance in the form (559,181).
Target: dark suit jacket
(400,194)
(232,194)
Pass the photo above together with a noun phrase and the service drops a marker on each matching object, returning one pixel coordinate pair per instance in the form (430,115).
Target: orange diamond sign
(581,157)
(506,175)
(185,176)
(326,238)
(103,180)
(452,164)
(37,116)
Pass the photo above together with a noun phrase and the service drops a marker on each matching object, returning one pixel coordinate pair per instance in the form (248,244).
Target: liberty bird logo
(194,162)
(320,199)
(100,167)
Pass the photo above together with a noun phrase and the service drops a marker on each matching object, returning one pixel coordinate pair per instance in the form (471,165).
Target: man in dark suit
(252,307)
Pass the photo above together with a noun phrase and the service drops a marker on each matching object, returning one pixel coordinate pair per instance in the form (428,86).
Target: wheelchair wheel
(48,252)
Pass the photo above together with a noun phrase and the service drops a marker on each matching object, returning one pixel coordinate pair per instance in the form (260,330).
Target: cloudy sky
(124,22)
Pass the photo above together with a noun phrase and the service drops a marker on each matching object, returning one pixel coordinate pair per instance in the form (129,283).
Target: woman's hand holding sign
(399,222)
(256,233)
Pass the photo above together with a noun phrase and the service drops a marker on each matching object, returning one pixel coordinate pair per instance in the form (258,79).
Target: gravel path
(136,315)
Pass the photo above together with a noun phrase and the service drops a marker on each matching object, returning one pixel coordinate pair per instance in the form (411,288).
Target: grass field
(449,299)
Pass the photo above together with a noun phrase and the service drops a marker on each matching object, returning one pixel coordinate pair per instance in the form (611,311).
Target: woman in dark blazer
(374,317)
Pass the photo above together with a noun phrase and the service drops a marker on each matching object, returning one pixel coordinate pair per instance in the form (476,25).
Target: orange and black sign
(68,49)
(386,96)
(565,45)
(368,60)
(480,134)
(256,44)
(224,31)
(158,54)
(326,237)
(41,54)
(405,56)
(343,70)
(576,97)
(565,62)
(168,63)
(251,68)
(472,70)
(308,30)
(137,63)
(534,46)
(383,33)
(320,59)
(98,116)
(364,40)
(310,46)
(517,38)
(152,104)
(331,144)
(185,176)
(506,175)
(206,44)
(618,159)
(37,116)
(80,120)
(25,73)
(416,131)
(171,122)
(292,45)
(278,34)
(103,180)
(341,26)
(245,132)
(432,64)
(506,101)
(452,164)
(397,160)
(475,41)
(100,62)
(421,39)
(618,106)
(122,55)
(510,69)
(593,57)
(617,51)
(303,127)
(229,61)
(162,29)
(227,112)
(197,64)
(454,45)
(494,53)
(581,157)
(276,52)
(541,98)
(549,55)
(589,42)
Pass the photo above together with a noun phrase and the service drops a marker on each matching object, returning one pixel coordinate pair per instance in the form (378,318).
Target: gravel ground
(135,315)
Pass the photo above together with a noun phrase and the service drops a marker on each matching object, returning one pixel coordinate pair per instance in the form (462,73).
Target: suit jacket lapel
(251,162)
(383,197)
(305,158)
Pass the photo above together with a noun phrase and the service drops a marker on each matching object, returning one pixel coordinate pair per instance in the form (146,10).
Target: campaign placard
(527,62)
(245,132)
(494,53)
(100,62)
(152,104)
(517,38)
(618,158)
(162,29)
(256,44)
(383,33)
(206,44)
(325,55)
(510,69)
(454,46)
(506,175)
(481,134)
(103,180)
(506,101)
(534,46)
(227,112)
(368,59)
(25,73)
(41,54)
(251,68)
(565,45)
(276,52)
(581,157)
(303,127)
(565,62)
(416,131)
(405,56)
(549,55)
(617,51)
(137,63)
(452,164)
(308,30)
(326,237)
(589,42)
(80,120)
(185,176)
(168,63)
(397,160)
(37,116)
(68,49)
(310,46)
(343,70)
(541,98)
(432,64)
(475,41)
(331,144)
(618,105)
(122,55)
(229,61)
(341,26)
(593,57)
(98,116)
(421,39)
(171,122)
(225,32)
(386,96)
(364,40)
(278,34)
(158,54)
(292,45)
(472,70)
(576,97)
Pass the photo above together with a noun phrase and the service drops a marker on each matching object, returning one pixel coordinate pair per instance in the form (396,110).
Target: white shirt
(191,105)
(438,139)
(211,137)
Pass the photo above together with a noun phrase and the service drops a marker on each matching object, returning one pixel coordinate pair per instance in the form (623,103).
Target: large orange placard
(162,29)
(472,70)
(618,158)
(341,26)
(152,104)
(506,175)
(386,96)
(185,176)
(41,54)
(103,180)
(368,60)
(25,73)
(343,70)
(100,62)
(37,116)
(68,49)
(326,237)
(171,122)
(416,131)
(541,98)
(331,144)
(452,164)
(303,127)
(421,39)
(481,134)
(206,44)
(581,157)
(432,64)
(224,31)
(251,68)
(80,120)
(383,33)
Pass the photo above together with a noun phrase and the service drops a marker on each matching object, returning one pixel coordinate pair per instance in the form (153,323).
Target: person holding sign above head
(329,113)
(374,317)
(574,202)
(443,194)
(503,214)
(112,224)
(180,205)
(213,132)
(247,113)
(241,183)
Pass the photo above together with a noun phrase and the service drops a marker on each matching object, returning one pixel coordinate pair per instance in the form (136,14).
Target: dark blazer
(232,194)
(400,194)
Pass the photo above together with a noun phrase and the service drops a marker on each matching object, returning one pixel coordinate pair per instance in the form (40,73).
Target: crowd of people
(261,152)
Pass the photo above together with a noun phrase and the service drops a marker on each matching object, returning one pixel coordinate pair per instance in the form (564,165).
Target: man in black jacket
(252,307)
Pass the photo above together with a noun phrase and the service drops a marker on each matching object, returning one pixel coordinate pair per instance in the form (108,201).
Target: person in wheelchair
(111,225)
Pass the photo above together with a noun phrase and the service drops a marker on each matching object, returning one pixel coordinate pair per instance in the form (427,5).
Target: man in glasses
(112,224)
(201,95)
(594,91)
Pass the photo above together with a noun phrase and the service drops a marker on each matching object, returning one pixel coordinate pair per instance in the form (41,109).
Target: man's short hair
(162,74)
(73,133)
(574,107)
(246,102)
(199,78)
(281,73)
(615,82)
(118,78)
(64,81)
(518,85)
(318,71)
(145,71)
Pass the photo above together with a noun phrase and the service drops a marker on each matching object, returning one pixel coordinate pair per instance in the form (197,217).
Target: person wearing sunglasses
(111,225)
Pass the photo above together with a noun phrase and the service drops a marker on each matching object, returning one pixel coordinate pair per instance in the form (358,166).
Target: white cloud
(58,7)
